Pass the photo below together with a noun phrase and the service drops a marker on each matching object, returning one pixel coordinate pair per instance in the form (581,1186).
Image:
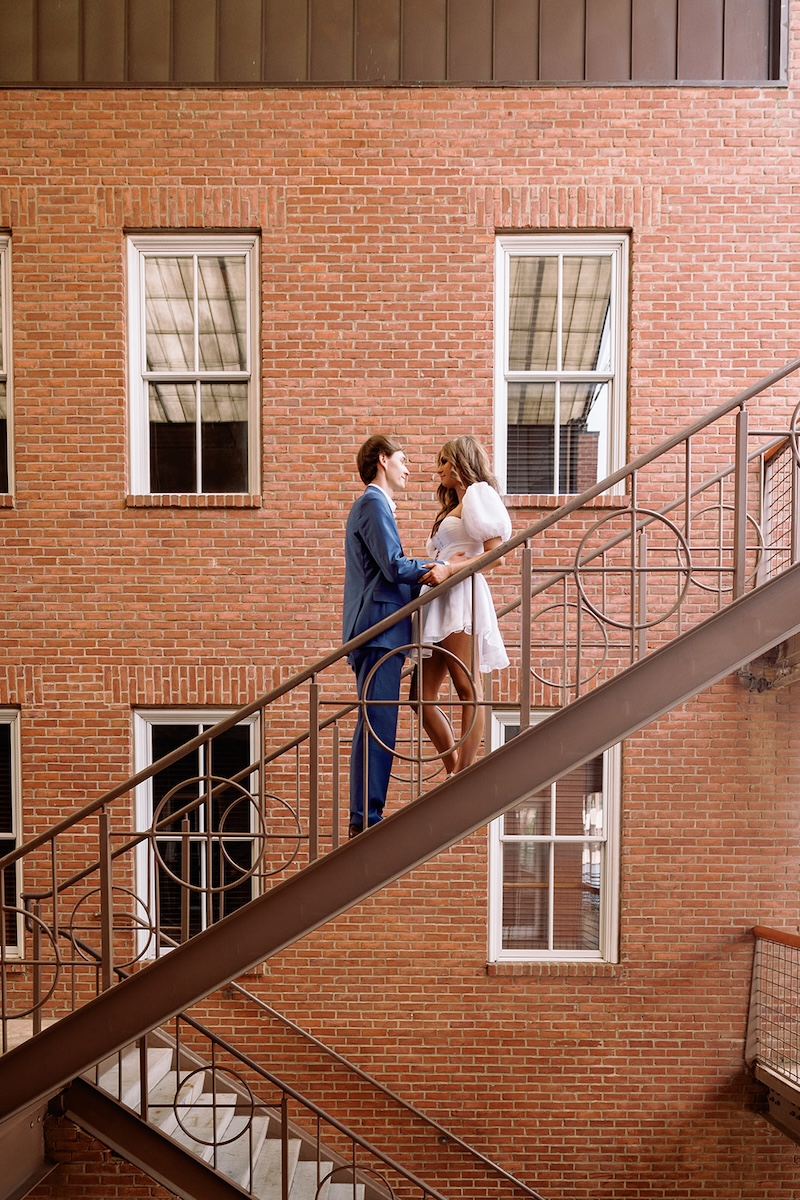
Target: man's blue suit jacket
(378,578)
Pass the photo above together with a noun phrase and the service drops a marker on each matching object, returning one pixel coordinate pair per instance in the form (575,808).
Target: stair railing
(584,592)
(446,1136)
(773,1029)
(342,1155)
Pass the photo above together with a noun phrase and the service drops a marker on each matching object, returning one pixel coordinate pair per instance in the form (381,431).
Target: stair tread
(119,1074)
(233,1159)
(204,1121)
(160,1098)
(267,1173)
(304,1181)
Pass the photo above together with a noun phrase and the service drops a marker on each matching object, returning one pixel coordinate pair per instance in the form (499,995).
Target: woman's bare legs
(460,645)
(436,725)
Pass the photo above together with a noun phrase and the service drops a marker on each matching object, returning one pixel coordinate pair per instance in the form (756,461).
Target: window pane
(2,318)
(6,798)
(531,818)
(525,896)
(169,289)
(224,437)
(173,437)
(576,878)
(3,437)
(583,417)
(531,417)
(586,305)
(222,313)
(167,738)
(577,798)
(533,311)
(208,861)
(8,841)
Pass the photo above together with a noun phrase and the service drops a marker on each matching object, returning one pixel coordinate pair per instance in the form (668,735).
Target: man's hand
(440,571)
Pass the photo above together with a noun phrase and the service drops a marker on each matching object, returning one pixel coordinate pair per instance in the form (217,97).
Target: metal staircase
(206,1133)
(631,609)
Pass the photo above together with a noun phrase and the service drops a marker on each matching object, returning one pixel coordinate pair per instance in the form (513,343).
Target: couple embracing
(379,580)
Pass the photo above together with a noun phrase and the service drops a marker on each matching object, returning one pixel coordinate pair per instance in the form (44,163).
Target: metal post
(313,770)
(740,504)
(335,788)
(525,638)
(795,519)
(642,593)
(37,968)
(185,877)
(106,903)
(284,1147)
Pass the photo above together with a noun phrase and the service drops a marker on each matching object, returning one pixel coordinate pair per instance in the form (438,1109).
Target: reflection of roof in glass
(583,299)
(534,403)
(175,402)
(205,331)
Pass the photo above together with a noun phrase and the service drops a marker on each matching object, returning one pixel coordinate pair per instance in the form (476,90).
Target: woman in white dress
(472,519)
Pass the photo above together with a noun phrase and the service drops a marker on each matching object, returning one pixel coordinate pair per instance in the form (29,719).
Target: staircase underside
(144,1145)
(782,1098)
(537,757)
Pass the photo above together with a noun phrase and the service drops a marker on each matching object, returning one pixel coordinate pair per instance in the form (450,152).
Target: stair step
(119,1075)
(160,1097)
(344,1191)
(267,1174)
(242,1145)
(205,1122)
(304,1181)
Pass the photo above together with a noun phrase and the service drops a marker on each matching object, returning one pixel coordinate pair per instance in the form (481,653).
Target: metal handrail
(773,1035)
(781,937)
(314,1109)
(386,1091)
(479,565)
(288,1090)
(51,880)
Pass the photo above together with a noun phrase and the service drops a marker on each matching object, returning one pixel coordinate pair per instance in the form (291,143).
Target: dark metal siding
(388,41)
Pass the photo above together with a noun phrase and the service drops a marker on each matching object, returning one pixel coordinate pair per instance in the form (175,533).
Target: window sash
(11,824)
(556,889)
(560,353)
(6,411)
(193,306)
(206,859)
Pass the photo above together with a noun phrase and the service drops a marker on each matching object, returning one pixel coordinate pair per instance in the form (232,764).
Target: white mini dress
(483,516)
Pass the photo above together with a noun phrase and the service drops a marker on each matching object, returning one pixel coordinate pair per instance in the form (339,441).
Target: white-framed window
(554,865)
(11,824)
(216,854)
(6,440)
(561,317)
(193,354)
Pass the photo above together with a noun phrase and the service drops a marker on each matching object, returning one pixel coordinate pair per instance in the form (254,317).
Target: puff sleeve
(484,514)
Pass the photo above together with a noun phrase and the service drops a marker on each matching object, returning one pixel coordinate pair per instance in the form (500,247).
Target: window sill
(551,967)
(194,500)
(541,501)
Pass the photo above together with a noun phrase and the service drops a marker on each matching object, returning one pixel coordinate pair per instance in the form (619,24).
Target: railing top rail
(314,1108)
(781,936)
(386,1091)
(321,664)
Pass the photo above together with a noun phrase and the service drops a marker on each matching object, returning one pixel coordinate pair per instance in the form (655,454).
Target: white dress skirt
(483,516)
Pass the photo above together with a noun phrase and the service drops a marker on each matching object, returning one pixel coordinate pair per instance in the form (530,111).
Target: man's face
(396,471)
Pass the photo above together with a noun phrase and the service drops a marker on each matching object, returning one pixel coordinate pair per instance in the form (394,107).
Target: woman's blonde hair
(470,462)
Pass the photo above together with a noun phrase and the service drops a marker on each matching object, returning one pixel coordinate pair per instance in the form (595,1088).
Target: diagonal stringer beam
(330,886)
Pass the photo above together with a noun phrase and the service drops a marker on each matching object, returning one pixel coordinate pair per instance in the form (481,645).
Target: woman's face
(446,473)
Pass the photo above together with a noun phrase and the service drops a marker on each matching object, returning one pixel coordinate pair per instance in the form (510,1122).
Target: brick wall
(377,210)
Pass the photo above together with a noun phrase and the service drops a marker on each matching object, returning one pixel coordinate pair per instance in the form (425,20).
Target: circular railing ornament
(365,701)
(620,579)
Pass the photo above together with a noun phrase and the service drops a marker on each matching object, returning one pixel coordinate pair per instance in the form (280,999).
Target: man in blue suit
(378,581)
